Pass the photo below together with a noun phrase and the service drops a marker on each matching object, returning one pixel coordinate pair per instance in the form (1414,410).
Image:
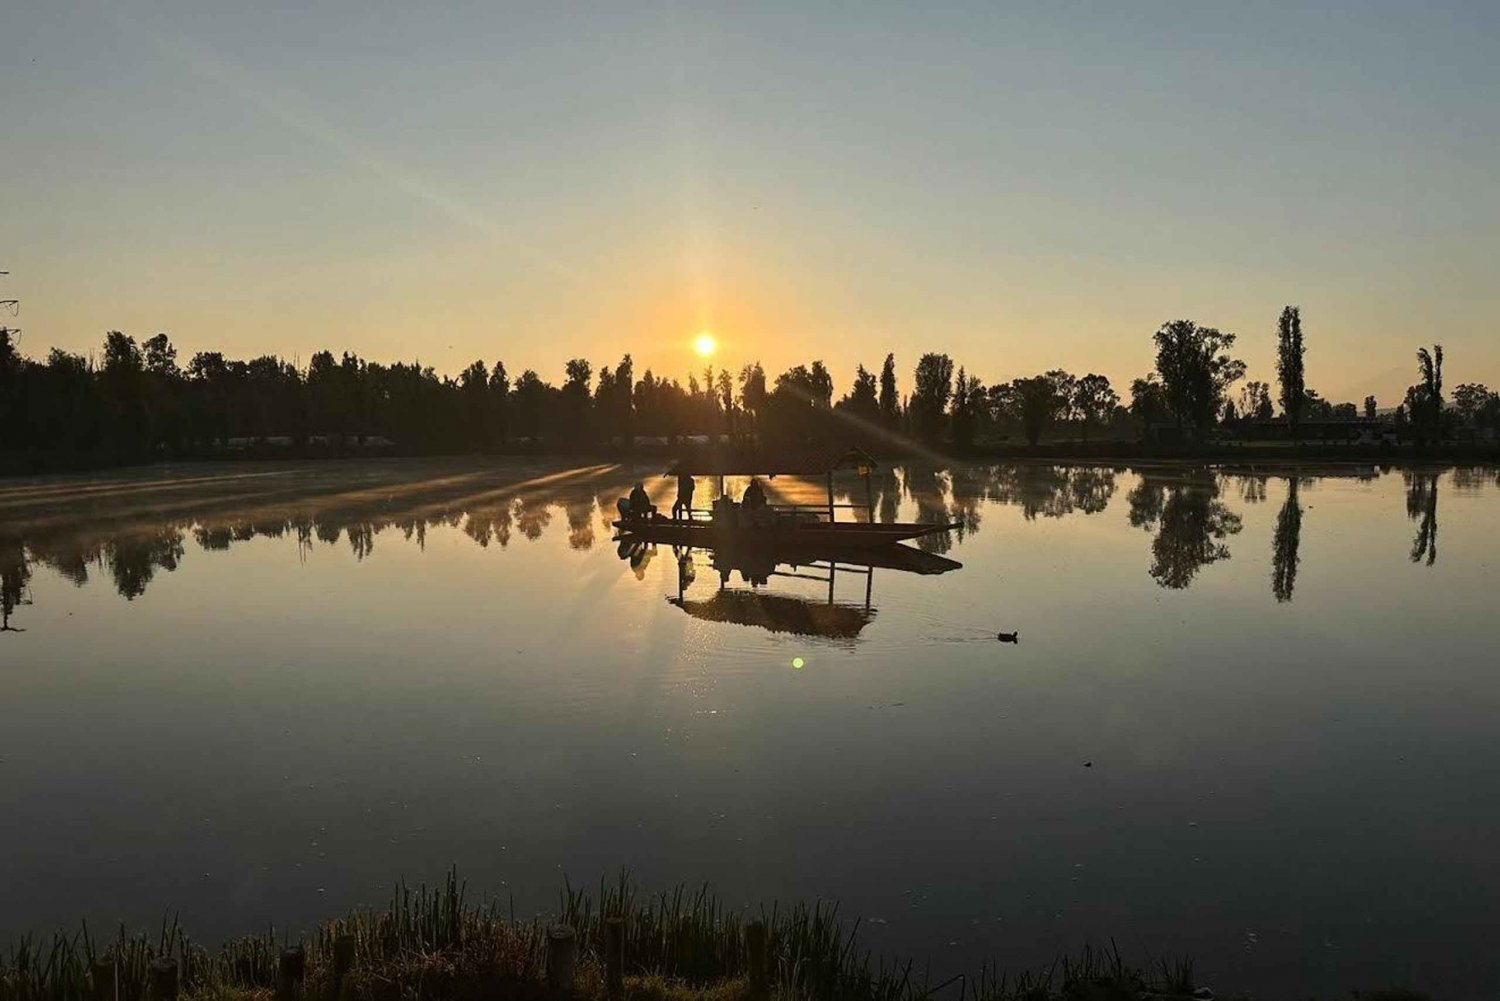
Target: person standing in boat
(685,487)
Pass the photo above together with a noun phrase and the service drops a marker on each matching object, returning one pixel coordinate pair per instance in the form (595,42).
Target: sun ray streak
(293,112)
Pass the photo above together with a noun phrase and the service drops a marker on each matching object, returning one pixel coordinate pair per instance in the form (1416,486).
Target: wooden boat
(791,526)
(788,533)
(761,554)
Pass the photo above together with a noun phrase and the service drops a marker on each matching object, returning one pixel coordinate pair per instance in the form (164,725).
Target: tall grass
(432,943)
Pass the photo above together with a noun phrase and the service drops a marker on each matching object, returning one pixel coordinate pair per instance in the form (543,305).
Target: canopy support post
(830,497)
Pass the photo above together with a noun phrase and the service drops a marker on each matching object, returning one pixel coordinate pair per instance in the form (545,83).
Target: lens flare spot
(798,663)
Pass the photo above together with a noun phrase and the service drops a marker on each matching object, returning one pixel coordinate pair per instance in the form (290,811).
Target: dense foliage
(135,401)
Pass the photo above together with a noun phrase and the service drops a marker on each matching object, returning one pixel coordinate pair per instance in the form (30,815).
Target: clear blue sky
(1024,187)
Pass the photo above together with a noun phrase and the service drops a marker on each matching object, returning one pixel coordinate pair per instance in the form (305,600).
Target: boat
(789,525)
(788,533)
(799,554)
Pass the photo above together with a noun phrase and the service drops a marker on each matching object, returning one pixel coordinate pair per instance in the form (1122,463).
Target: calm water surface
(1251,718)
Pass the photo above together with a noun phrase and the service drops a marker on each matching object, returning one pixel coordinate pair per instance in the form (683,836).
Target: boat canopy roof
(731,460)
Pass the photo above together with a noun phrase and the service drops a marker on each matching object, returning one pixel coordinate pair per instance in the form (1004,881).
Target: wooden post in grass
(614,957)
(164,980)
(102,978)
(289,973)
(343,957)
(562,955)
(755,943)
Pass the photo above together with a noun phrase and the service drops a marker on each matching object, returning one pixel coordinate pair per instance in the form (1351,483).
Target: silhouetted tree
(1094,400)
(890,399)
(1255,400)
(1290,353)
(798,408)
(121,384)
(1470,400)
(530,401)
(499,403)
(1148,400)
(1195,370)
(968,401)
(1424,401)
(862,400)
(753,391)
(1037,402)
(1370,408)
(724,389)
(12,406)
(929,400)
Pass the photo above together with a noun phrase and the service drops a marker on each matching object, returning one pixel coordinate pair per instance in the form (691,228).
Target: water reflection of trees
(15,574)
(958,496)
(132,554)
(1054,491)
(1421,503)
(1191,524)
(1186,511)
(928,489)
(1286,544)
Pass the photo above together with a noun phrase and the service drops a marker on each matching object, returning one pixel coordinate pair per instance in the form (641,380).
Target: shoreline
(1067,452)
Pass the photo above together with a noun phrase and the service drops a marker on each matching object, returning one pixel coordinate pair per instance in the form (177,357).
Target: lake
(1251,716)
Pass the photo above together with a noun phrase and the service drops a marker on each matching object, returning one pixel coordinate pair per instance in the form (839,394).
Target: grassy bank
(677,946)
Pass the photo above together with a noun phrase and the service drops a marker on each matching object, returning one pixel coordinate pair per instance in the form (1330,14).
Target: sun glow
(705,344)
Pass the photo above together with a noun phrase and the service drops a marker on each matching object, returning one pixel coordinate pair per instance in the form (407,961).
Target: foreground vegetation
(677,946)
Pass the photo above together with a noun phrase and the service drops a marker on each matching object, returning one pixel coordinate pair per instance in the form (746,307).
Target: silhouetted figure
(685,570)
(684,503)
(639,506)
(755,496)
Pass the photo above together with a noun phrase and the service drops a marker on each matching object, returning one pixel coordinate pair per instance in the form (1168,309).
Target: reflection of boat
(779,613)
(782,524)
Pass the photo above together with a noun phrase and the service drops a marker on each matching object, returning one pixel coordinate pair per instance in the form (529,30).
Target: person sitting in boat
(755,496)
(684,504)
(639,506)
(757,511)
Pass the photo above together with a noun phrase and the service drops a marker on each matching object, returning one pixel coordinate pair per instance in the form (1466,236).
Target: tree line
(135,399)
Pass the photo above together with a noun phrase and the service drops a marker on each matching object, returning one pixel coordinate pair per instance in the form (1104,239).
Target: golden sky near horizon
(1022,190)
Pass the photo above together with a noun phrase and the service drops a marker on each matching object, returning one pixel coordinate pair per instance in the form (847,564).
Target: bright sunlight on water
(1249,716)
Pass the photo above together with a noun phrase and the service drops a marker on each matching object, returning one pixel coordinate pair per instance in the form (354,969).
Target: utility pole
(14,305)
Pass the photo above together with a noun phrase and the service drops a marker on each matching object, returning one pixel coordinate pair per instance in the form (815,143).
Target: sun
(705,344)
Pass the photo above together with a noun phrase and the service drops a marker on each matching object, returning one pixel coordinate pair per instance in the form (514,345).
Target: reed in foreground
(676,946)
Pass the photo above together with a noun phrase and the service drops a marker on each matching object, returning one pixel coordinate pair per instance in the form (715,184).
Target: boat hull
(839,535)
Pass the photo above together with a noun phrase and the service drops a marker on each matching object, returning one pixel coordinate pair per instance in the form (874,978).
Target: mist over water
(1249,717)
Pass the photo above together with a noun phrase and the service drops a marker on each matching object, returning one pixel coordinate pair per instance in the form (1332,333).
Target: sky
(1022,186)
